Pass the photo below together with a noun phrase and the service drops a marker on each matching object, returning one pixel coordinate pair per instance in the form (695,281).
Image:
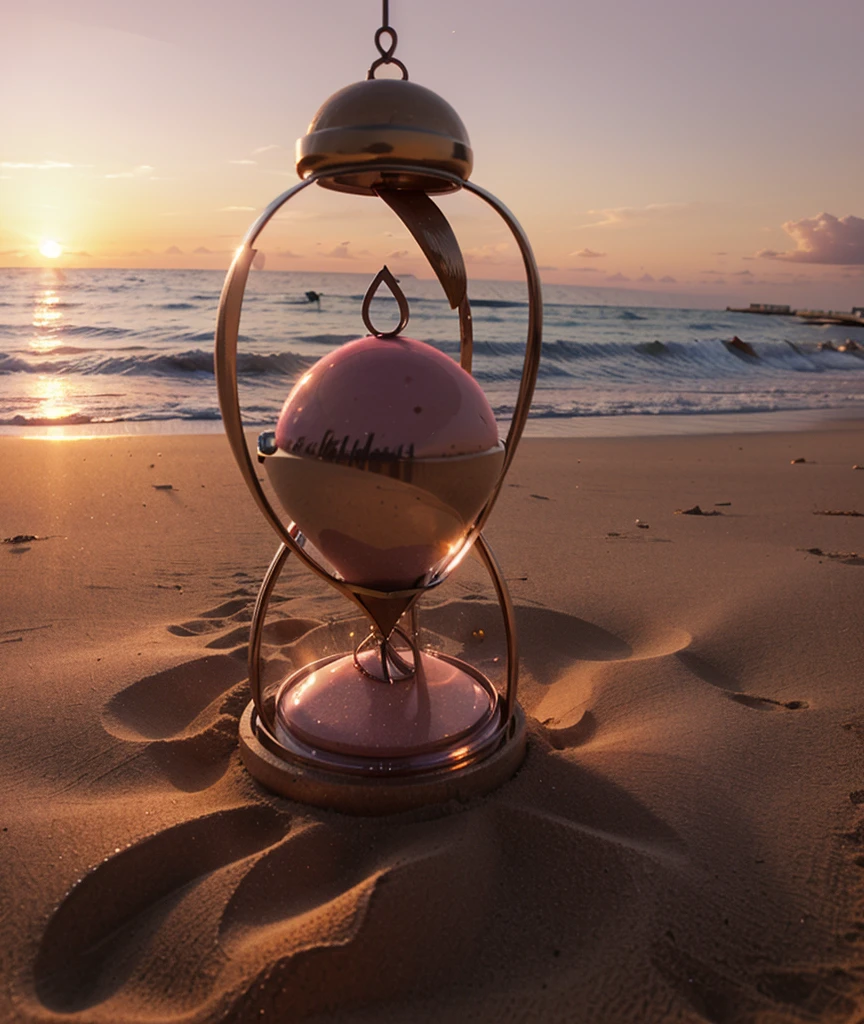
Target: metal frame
(227,333)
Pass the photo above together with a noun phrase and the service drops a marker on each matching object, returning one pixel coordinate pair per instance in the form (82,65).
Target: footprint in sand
(711,674)
(111,918)
(237,610)
(186,717)
(310,907)
(231,621)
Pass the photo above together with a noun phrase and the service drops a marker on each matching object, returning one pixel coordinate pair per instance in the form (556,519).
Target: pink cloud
(617,278)
(823,239)
(495,255)
(340,252)
(621,215)
(588,254)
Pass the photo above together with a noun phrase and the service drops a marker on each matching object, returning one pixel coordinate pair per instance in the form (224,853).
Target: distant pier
(763,309)
(817,317)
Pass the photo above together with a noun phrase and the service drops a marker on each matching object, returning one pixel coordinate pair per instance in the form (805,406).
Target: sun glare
(50,249)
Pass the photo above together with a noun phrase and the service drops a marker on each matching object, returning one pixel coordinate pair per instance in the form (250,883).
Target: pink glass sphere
(399,393)
(387,450)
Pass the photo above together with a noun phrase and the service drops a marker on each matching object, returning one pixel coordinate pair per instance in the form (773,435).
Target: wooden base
(361,795)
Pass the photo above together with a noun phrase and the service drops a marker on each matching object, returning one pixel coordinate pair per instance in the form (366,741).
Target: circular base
(340,711)
(337,790)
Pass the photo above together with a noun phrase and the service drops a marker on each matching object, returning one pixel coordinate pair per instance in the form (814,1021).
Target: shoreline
(666,425)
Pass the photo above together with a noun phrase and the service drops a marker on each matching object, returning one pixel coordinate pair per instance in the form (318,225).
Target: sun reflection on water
(51,393)
(52,398)
(47,319)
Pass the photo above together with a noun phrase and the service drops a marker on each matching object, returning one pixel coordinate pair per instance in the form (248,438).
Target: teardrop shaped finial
(385,277)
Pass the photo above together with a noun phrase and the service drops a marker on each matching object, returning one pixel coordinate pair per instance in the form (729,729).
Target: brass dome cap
(385,121)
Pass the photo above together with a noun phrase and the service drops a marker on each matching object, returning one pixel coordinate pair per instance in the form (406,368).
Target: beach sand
(684,841)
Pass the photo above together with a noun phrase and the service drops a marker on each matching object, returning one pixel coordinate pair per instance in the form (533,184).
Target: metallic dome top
(385,121)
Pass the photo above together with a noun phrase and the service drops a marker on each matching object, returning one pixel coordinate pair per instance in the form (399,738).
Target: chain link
(386,50)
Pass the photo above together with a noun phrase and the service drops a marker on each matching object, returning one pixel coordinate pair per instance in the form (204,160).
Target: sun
(50,249)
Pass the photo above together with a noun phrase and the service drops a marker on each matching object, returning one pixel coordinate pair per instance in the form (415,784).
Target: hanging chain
(389,49)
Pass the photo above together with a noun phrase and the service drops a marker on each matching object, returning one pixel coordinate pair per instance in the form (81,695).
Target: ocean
(119,351)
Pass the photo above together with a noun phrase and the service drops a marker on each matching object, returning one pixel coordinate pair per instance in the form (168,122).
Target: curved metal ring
(486,557)
(385,277)
(228,326)
(256,632)
(370,74)
(227,332)
(388,653)
(502,591)
(386,51)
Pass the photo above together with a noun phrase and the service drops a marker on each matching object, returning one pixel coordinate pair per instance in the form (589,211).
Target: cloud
(585,270)
(741,273)
(202,250)
(712,271)
(244,163)
(398,254)
(142,170)
(493,255)
(666,279)
(616,278)
(616,215)
(545,267)
(43,165)
(588,254)
(340,252)
(236,209)
(716,280)
(264,149)
(823,239)
(172,250)
(646,279)
(720,254)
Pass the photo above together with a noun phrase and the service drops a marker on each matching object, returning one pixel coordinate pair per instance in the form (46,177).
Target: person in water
(314,297)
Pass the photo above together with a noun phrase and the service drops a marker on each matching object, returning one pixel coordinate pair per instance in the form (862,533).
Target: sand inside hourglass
(389,523)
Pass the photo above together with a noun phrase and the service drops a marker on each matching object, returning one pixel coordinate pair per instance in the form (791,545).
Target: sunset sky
(708,149)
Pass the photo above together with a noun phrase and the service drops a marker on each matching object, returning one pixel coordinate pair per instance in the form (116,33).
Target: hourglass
(386,462)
